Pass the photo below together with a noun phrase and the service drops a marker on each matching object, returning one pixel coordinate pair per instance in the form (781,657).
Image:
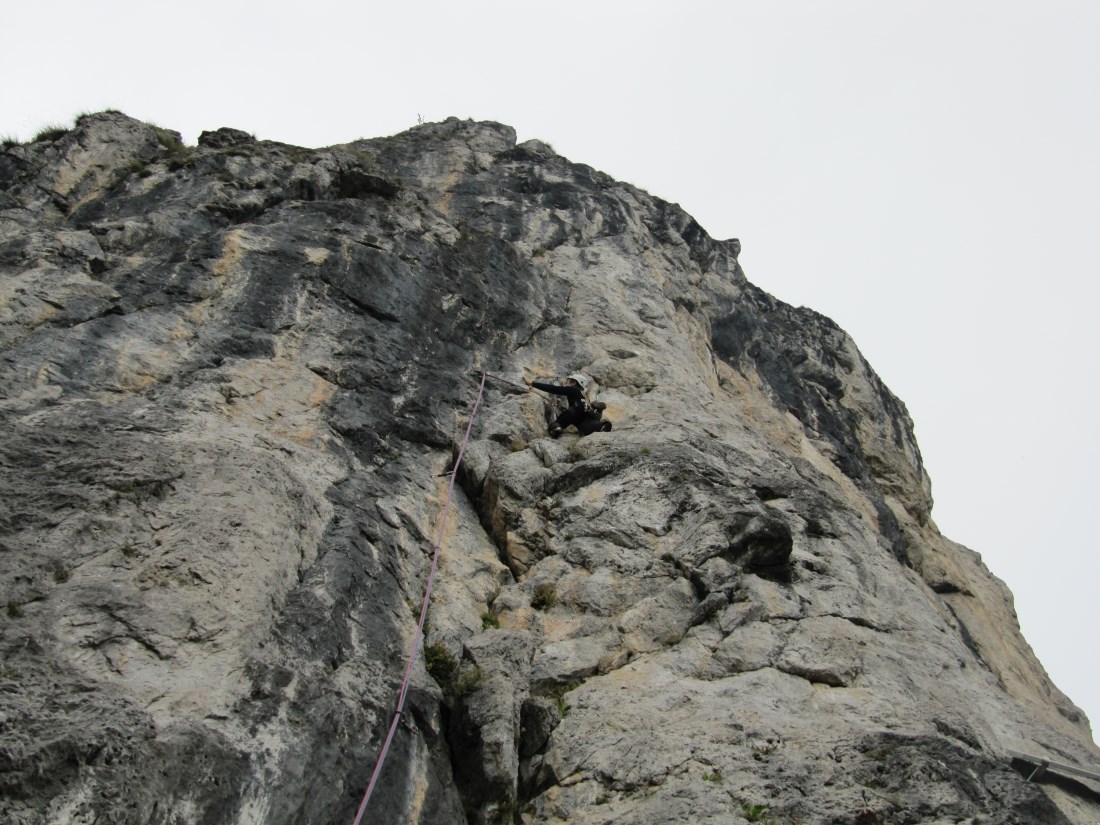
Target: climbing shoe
(605,427)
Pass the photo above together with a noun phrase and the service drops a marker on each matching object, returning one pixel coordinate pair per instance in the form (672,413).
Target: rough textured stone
(486,729)
(233,380)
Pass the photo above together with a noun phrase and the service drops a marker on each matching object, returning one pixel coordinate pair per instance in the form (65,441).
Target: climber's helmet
(580,379)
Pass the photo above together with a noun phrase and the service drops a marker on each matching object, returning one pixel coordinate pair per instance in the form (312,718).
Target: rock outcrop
(233,380)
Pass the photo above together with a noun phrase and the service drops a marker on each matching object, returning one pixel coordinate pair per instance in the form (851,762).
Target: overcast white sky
(925,172)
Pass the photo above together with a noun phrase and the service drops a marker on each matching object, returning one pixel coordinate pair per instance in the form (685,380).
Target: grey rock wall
(233,378)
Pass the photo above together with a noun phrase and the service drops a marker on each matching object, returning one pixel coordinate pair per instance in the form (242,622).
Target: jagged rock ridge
(232,377)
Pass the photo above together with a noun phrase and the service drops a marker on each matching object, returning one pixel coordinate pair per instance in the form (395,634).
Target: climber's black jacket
(580,413)
(571,392)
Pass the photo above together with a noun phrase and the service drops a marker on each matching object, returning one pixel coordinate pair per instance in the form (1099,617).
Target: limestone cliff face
(231,377)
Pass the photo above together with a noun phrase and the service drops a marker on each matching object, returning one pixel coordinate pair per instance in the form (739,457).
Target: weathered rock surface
(232,380)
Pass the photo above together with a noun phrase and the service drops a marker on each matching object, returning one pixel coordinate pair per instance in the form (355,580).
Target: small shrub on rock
(50,133)
(544,597)
(440,663)
(754,813)
(468,681)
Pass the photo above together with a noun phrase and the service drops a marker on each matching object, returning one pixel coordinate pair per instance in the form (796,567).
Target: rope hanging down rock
(400,712)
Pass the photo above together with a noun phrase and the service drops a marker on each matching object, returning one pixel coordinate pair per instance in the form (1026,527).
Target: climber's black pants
(587,424)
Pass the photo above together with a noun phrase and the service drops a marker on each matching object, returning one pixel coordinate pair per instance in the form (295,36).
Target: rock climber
(581,413)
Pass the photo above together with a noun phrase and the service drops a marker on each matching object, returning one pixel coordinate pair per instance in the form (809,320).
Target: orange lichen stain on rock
(594,494)
(134,372)
(136,381)
(523,618)
(419,797)
(534,418)
(321,393)
(450,181)
(434,511)
(182,330)
(557,629)
(278,397)
(232,252)
(631,677)
(199,314)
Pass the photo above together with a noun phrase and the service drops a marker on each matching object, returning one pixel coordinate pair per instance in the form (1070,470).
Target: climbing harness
(399,713)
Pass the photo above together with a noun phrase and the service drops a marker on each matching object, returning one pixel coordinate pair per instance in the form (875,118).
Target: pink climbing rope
(423,612)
